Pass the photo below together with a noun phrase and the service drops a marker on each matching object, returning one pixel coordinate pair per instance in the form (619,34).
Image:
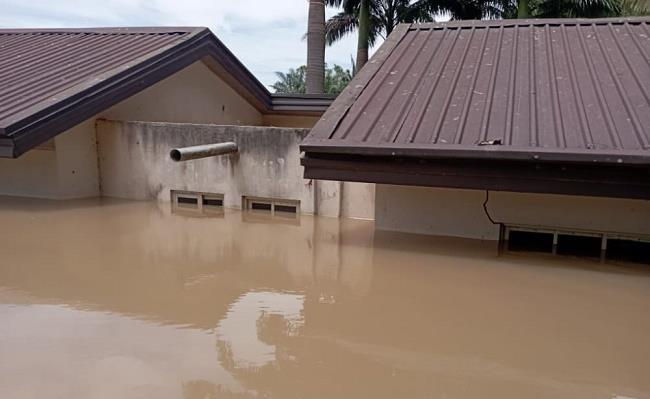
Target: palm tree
(384,15)
(364,33)
(316,47)
(292,81)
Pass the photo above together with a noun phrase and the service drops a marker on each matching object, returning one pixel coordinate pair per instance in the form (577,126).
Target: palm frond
(576,8)
(339,26)
(635,7)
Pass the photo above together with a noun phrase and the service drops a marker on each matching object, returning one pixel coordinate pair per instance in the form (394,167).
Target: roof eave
(487,153)
(613,181)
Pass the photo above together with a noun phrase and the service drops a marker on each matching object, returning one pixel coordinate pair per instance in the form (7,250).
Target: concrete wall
(452,212)
(443,212)
(135,164)
(290,121)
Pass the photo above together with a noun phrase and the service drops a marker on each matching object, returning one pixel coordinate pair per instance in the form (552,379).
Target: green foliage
(336,78)
(293,82)
(635,7)
(386,14)
(575,8)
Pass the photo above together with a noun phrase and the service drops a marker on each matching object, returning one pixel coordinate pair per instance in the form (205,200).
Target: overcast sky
(265,35)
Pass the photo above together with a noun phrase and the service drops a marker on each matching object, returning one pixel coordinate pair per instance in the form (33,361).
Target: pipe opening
(175,155)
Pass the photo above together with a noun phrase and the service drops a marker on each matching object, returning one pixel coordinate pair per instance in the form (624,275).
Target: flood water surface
(111,299)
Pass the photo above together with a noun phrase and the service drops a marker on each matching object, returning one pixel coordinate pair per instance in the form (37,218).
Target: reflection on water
(252,317)
(108,299)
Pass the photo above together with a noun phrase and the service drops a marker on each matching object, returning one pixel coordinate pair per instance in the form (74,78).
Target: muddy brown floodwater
(113,299)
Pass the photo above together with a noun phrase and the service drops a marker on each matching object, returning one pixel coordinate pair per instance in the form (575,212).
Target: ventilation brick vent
(586,244)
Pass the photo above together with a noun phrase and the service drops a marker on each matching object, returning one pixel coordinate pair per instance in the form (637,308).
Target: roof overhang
(602,180)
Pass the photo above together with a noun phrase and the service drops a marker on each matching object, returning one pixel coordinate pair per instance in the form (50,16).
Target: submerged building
(534,131)
(95,112)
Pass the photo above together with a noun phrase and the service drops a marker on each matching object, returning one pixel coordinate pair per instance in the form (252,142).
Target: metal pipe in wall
(202,151)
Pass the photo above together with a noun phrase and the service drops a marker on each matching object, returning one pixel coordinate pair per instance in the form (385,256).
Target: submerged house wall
(460,213)
(134,163)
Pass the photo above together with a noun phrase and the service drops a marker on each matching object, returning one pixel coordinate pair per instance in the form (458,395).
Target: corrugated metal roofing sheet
(38,65)
(544,89)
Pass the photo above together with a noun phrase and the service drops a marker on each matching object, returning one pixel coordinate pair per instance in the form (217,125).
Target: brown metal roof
(572,91)
(52,79)
(36,66)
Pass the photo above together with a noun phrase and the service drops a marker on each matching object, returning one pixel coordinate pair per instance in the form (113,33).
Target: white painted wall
(35,174)
(453,212)
(67,169)
(434,211)
(566,211)
(192,95)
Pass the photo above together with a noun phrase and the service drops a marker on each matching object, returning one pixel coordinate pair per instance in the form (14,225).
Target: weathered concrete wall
(460,213)
(358,200)
(346,199)
(290,121)
(135,163)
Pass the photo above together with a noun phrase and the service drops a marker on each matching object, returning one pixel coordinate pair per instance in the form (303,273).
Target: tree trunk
(364,33)
(523,9)
(315,79)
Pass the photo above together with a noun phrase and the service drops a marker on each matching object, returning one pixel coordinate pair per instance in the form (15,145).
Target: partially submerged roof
(52,79)
(497,95)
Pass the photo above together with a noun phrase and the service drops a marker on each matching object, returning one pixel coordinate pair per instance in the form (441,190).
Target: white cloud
(265,35)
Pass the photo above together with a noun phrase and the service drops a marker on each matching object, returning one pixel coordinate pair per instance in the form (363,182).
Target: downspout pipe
(203,151)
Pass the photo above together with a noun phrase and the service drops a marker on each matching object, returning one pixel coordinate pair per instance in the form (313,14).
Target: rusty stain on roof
(571,90)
